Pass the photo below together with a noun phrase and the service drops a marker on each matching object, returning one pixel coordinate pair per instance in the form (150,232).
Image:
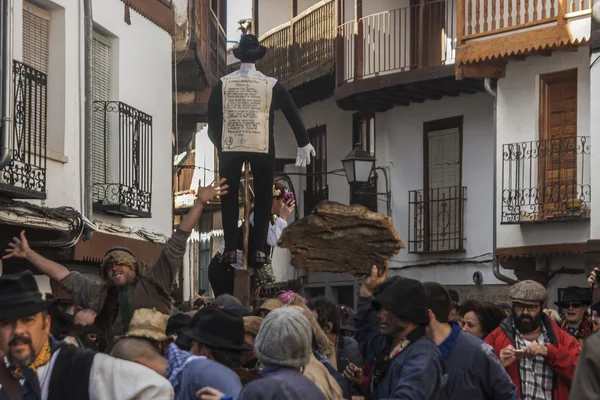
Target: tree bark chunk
(341,238)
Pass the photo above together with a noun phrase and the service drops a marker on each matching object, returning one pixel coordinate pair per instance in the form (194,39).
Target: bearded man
(539,357)
(128,284)
(47,369)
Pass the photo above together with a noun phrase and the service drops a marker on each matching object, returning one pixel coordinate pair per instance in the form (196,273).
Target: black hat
(20,296)
(249,49)
(177,322)
(406,299)
(218,327)
(349,324)
(574,294)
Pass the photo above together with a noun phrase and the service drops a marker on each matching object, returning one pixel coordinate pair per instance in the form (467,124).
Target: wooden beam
(293,8)
(490,69)
(518,58)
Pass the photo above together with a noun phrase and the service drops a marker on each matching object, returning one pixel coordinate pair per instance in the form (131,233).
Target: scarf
(587,327)
(41,359)
(177,360)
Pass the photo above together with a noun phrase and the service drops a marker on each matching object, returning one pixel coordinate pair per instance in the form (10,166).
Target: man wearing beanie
(283,346)
(391,332)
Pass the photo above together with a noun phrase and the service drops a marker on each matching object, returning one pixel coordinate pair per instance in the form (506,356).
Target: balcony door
(442,193)
(557,177)
(316,177)
(429,28)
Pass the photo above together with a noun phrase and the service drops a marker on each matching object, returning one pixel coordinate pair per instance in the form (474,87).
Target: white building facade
(433,136)
(131,144)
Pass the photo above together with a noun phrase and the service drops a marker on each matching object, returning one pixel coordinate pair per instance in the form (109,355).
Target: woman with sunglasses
(574,304)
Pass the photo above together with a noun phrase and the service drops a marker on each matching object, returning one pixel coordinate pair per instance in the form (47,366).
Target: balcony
(302,52)
(25,175)
(122,162)
(437,220)
(492,30)
(546,180)
(398,57)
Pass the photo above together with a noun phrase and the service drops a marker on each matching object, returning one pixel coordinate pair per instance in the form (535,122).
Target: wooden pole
(246,214)
(241,283)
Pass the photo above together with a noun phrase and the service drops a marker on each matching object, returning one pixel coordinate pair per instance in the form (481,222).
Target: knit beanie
(284,338)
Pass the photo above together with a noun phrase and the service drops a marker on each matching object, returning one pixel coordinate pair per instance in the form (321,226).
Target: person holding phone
(539,357)
(221,275)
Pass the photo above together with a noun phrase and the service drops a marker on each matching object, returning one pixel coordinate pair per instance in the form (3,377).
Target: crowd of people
(125,339)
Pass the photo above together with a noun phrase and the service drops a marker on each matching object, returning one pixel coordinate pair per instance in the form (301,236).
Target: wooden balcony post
(292,38)
(358,41)
(460,21)
(339,40)
(421,46)
(562,11)
(255,14)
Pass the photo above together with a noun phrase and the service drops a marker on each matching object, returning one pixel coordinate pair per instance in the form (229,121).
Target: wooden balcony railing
(397,40)
(302,49)
(485,18)
(533,24)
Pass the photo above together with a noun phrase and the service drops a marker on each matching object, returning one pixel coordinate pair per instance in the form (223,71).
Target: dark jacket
(348,352)
(277,383)
(586,382)
(474,371)
(563,354)
(417,373)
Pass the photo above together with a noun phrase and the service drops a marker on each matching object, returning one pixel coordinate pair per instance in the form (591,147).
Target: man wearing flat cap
(539,357)
(128,284)
(47,369)
(241,115)
(391,331)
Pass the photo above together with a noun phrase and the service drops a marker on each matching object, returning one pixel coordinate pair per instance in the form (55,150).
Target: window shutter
(36,37)
(101,78)
(444,189)
(36,34)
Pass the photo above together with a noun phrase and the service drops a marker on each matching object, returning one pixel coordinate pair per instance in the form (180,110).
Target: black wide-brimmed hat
(218,327)
(249,49)
(574,294)
(20,296)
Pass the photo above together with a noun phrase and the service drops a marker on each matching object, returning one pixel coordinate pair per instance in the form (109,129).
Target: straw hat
(148,324)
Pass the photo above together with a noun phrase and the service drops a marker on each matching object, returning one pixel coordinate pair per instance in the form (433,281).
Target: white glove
(304,153)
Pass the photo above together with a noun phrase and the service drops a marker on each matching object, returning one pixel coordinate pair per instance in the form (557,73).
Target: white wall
(273,13)
(517,121)
(142,77)
(399,146)
(400,142)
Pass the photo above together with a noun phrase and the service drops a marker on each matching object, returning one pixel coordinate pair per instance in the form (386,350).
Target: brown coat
(115,306)
(316,372)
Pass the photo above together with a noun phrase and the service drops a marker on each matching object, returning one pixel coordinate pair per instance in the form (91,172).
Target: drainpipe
(6,44)
(495,265)
(88,104)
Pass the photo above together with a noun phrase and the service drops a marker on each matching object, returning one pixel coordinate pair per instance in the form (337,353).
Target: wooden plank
(547,249)
(494,69)
(460,21)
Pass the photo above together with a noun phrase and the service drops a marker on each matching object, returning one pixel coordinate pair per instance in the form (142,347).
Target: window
(363,132)
(101,83)
(316,173)
(437,211)
(36,37)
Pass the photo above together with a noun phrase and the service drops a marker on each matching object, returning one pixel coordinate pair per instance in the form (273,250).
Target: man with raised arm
(128,283)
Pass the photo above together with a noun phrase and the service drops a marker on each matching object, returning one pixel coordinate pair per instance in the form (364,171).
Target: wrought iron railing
(25,175)
(127,169)
(398,40)
(302,49)
(546,180)
(365,194)
(314,197)
(437,220)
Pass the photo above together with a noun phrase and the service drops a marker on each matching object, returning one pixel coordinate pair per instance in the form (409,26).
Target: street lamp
(358,165)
